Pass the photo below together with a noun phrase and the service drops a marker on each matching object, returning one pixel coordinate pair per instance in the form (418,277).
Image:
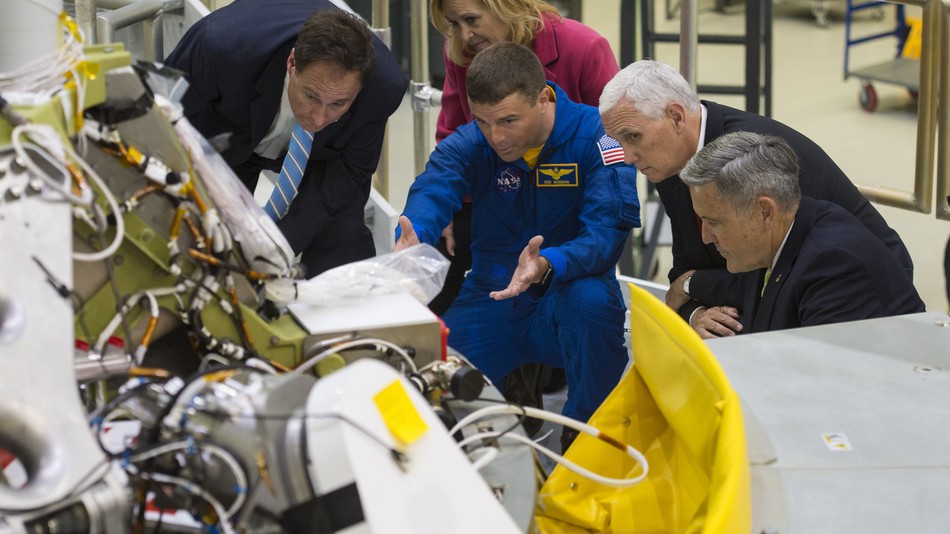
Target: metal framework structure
(933,118)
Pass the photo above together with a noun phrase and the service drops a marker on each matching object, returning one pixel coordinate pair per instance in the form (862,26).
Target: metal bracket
(425,97)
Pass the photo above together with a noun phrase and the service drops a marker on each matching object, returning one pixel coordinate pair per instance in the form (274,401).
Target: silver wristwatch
(686,285)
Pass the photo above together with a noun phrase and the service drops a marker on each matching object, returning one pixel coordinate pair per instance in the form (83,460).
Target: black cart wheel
(868,98)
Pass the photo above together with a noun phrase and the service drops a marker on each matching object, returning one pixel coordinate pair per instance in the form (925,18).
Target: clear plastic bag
(418,270)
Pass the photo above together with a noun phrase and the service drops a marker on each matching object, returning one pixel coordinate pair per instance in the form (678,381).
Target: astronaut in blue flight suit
(552,204)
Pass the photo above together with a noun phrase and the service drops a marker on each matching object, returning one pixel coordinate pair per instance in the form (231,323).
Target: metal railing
(118,14)
(933,120)
(423,96)
(380,26)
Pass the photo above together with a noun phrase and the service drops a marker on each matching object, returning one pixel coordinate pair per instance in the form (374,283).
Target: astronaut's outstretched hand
(530,270)
(407,237)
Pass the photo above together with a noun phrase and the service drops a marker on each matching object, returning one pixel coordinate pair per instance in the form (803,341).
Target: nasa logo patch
(508,179)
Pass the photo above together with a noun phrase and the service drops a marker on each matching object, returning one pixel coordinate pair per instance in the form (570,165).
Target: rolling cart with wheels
(903,71)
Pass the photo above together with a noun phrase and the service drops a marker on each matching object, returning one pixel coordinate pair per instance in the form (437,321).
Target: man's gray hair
(651,86)
(745,166)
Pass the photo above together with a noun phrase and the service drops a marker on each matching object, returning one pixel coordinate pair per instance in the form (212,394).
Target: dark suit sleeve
(716,287)
(711,285)
(194,57)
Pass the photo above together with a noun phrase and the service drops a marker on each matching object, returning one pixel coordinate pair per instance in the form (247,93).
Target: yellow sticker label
(836,441)
(400,415)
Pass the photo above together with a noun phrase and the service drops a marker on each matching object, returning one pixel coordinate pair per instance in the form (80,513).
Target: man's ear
(677,113)
(767,209)
(545,96)
(290,62)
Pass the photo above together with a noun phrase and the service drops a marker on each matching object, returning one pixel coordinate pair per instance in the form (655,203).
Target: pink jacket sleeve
(575,57)
(454,111)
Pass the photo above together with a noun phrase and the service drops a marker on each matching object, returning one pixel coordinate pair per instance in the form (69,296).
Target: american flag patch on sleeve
(610,150)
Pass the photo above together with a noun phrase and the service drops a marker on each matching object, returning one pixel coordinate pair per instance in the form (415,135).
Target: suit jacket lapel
(751,309)
(715,123)
(773,295)
(269,87)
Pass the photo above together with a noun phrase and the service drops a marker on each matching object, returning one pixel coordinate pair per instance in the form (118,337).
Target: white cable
(571,466)
(211,358)
(48,140)
(129,304)
(320,356)
(80,100)
(113,205)
(544,436)
(510,409)
(46,136)
(44,76)
(497,409)
(184,400)
(240,478)
(139,354)
(488,456)
(187,485)
(259,364)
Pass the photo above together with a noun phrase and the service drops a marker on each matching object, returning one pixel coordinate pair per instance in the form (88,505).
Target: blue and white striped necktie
(291,172)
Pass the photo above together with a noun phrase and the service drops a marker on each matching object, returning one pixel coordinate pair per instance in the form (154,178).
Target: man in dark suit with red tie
(661,123)
(803,262)
(257,66)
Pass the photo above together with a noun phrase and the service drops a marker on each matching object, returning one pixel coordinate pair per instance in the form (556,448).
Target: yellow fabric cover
(676,406)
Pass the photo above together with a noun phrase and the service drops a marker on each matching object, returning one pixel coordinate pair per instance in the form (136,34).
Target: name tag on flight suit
(556,175)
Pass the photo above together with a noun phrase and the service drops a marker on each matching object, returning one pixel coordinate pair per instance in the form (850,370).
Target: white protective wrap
(263,246)
(418,270)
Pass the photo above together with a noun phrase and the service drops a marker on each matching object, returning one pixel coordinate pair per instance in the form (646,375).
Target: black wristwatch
(548,275)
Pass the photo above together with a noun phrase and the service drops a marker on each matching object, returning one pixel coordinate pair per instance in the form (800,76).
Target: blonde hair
(522,17)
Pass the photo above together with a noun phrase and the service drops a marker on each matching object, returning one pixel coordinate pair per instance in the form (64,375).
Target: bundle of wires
(45,75)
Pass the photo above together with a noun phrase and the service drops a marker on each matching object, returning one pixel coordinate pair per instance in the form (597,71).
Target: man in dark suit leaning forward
(804,262)
(660,122)
(256,69)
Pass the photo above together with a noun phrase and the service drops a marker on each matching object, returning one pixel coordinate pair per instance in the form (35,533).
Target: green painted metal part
(142,261)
